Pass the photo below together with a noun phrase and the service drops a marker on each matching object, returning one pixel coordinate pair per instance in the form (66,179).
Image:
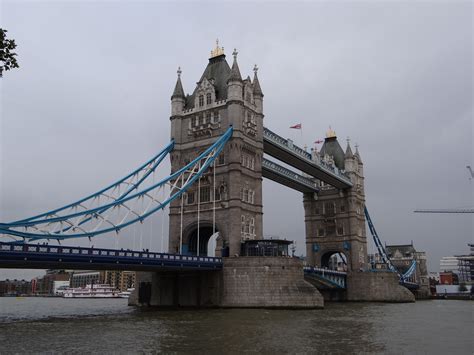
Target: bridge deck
(286,177)
(31,256)
(281,149)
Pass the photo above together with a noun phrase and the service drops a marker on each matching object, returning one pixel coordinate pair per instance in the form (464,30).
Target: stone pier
(380,286)
(244,282)
(273,282)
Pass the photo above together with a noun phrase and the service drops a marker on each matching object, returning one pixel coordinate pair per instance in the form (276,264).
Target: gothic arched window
(201,100)
(208,98)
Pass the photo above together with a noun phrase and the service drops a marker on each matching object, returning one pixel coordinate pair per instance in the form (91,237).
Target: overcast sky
(91,100)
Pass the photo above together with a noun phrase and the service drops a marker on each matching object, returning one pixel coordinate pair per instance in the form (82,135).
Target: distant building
(448,278)
(461,265)
(15,287)
(402,257)
(449,264)
(59,286)
(86,277)
(45,285)
(121,280)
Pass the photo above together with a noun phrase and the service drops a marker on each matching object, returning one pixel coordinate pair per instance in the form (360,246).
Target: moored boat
(92,291)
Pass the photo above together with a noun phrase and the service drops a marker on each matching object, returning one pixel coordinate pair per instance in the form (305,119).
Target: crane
(450,210)
(446,210)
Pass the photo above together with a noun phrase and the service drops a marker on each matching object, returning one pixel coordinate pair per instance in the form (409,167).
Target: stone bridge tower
(335,220)
(221,98)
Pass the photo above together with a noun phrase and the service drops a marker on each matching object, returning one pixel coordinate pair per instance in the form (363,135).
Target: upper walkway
(286,177)
(285,151)
(34,256)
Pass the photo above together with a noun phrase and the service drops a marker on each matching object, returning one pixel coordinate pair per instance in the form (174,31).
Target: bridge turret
(348,158)
(257,91)
(234,83)
(359,160)
(178,101)
(178,97)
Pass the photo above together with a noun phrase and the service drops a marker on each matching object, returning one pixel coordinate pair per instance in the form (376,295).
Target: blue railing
(336,278)
(25,252)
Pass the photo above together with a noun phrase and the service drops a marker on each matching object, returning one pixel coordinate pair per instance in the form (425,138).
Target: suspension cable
(199,205)
(181,223)
(214,200)
(151,218)
(163,222)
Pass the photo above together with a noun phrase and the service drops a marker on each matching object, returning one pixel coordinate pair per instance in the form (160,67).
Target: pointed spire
(178,89)
(357,151)
(235,71)
(348,149)
(257,90)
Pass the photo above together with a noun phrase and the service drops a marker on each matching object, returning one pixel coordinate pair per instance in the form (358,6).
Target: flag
(296,126)
(319,141)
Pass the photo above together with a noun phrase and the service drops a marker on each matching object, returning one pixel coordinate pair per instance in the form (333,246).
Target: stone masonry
(335,221)
(272,282)
(221,99)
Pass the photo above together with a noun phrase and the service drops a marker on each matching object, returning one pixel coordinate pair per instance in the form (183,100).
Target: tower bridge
(217,153)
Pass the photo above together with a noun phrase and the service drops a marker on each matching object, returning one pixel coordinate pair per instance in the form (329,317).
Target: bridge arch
(206,229)
(335,260)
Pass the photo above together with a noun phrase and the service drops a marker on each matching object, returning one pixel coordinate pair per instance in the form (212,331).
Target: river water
(75,326)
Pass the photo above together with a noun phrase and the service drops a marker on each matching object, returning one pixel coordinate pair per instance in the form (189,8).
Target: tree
(7,56)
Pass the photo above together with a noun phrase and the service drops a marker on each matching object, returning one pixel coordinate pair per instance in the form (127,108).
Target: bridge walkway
(34,256)
(285,151)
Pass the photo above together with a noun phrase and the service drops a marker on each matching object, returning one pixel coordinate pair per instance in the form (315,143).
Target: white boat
(92,291)
(126,294)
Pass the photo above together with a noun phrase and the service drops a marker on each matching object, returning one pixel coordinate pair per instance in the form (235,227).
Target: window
(208,99)
(248,161)
(216,116)
(316,210)
(321,232)
(252,226)
(217,196)
(331,230)
(247,195)
(190,199)
(329,208)
(242,225)
(205,194)
(221,160)
(340,231)
(343,208)
(201,100)
(201,119)
(208,117)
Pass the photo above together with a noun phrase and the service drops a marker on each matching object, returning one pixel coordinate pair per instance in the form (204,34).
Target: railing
(288,173)
(63,250)
(288,145)
(338,278)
